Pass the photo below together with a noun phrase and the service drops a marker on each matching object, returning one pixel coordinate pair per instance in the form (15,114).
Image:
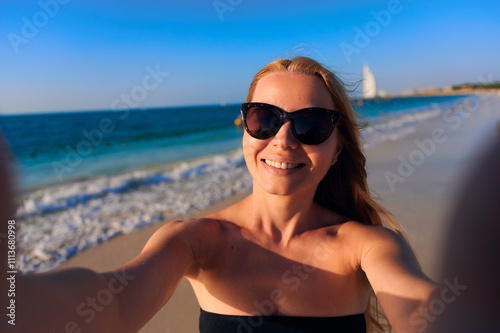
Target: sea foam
(69,218)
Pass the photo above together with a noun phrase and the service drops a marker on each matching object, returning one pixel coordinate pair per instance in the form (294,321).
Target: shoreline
(421,200)
(425,93)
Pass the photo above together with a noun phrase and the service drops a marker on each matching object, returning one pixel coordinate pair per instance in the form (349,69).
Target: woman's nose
(285,138)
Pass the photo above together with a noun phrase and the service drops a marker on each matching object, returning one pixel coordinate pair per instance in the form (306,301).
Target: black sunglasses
(310,126)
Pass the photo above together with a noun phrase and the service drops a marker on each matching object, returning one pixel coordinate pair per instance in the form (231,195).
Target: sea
(86,177)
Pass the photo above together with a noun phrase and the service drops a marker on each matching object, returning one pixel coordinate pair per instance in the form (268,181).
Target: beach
(415,177)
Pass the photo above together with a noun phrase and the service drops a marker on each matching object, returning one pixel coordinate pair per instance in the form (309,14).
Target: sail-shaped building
(369,83)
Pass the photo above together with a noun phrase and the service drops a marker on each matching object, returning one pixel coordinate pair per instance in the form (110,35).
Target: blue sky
(65,55)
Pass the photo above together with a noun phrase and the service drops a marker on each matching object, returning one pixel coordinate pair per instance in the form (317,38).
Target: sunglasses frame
(334,117)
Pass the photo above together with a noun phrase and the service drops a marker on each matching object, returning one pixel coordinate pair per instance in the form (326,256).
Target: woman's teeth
(284,166)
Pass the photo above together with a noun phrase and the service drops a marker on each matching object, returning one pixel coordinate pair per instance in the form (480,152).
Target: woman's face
(290,92)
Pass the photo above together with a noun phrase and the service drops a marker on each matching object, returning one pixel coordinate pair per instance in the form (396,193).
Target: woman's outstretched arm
(392,269)
(64,301)
(123,300)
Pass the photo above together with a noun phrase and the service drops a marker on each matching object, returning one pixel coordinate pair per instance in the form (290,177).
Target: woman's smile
(282,168)
(283,165)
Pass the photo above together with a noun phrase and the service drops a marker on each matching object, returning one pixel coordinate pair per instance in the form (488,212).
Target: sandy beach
(415,178)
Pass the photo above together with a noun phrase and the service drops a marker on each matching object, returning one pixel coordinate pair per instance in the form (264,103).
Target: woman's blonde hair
(344,188)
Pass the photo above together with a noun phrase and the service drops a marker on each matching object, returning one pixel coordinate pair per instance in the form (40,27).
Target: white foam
(69,218)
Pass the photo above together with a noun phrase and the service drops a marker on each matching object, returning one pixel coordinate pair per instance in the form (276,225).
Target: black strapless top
(219,323)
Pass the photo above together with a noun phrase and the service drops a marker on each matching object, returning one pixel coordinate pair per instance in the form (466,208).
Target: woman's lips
(282,165)
(281,168)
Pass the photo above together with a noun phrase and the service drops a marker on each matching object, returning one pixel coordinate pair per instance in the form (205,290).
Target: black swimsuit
(219,323)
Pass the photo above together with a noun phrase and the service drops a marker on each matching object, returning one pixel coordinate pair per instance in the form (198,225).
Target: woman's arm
(402,289)
(155,274)
(123,300)
(65,301)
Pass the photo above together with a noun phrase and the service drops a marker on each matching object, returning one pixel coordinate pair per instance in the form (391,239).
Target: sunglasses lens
(262,122)
(312,127)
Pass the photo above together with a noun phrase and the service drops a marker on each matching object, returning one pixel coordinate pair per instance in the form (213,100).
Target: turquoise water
(51,148)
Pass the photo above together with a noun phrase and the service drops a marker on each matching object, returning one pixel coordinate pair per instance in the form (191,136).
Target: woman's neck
(281,217)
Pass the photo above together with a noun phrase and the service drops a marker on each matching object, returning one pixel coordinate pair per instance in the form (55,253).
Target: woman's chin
(283,189)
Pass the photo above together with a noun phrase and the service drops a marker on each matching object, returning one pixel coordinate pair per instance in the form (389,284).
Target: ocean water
(86,177)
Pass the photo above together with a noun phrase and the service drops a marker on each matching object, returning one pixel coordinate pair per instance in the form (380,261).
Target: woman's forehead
(292,91)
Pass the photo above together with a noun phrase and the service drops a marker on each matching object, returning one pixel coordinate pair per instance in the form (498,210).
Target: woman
(306,249)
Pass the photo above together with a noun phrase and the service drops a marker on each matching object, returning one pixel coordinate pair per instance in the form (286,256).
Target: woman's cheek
(249,152)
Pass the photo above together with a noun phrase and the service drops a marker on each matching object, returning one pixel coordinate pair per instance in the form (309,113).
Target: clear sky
(65,55)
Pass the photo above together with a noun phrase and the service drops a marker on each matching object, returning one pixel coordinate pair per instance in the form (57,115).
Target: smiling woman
(306,250)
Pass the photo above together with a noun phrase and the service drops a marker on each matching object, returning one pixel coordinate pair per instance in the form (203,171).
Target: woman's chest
(310,278)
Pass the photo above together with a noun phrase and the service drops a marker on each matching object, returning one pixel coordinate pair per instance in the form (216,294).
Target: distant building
(369,83)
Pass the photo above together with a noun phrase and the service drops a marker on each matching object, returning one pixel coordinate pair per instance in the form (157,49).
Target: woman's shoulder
(366,235)
(366,230)
(375,241)
(356,240)
(200,239)
(206,232)
(197,230)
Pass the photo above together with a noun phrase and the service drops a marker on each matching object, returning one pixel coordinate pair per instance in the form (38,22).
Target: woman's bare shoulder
(365,236)
(195,230)
(204,230)
(358,229)
(379,243)
(195,241)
